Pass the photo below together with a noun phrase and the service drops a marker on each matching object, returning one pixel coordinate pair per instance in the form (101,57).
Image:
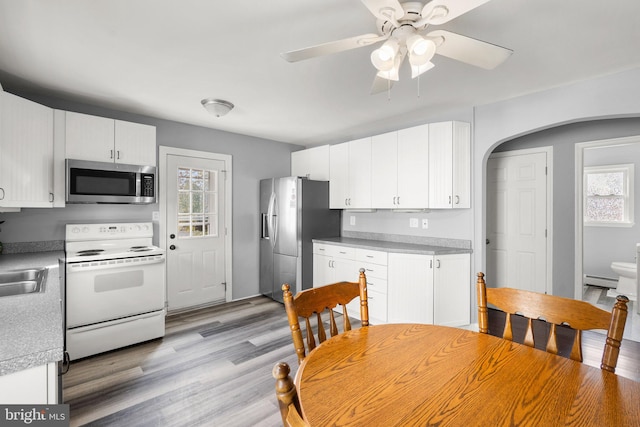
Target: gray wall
(563,140)
(253,159)
(603,245)
(611,96)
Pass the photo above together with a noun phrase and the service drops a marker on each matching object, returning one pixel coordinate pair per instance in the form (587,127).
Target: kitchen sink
(22,282)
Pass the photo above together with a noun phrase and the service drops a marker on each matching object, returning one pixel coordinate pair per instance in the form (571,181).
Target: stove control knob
(85,229)
(138,228)
(75,230)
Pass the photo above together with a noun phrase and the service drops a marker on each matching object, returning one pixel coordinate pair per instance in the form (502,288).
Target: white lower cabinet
(334,263)
(401,287)
(429,289)
(410,293)
(37,386)
(452,290)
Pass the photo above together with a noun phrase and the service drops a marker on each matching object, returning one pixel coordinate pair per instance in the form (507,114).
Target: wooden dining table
(416,374)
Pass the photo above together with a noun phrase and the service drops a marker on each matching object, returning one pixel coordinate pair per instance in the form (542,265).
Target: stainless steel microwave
(102,182)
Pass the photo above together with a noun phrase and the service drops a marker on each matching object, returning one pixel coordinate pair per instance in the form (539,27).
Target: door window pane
(197,195)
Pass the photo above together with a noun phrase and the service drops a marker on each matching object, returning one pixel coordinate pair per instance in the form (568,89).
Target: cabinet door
(384,171)
(135,143)
(29,387)
(410,288)
(312,163)
(338,176)
(462,165)
(359,170)
(440,165)
(413,168)
(89,137)
(452,290)
(322,271)
(26,153)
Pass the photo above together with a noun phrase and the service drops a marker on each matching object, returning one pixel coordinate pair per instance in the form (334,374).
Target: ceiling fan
(402,25)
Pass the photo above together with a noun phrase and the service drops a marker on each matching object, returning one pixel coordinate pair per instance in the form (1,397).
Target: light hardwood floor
(213,368)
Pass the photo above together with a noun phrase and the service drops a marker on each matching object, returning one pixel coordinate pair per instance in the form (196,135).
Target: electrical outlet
(425,223)
(155,216)
(413,222)
(352,220)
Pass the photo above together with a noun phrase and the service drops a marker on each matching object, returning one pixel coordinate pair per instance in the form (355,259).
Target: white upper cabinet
(106,140)
(26,153)
(350,175)
(413,167)
(449,165)
(400,165)
(384,166)
(312,163)
(339,176)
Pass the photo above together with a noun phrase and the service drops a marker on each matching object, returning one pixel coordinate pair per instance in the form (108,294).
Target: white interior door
(195,231)
(517,221)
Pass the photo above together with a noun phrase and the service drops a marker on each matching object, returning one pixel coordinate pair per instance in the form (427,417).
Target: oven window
(197,203)
(103,183)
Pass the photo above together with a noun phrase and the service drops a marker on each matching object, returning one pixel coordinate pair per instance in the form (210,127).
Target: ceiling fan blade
(332,47)
(471,51)
(453,9)
(381,85)
(385,9)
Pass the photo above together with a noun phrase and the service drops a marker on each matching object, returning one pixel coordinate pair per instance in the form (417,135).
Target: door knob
(172,247)
(172,236)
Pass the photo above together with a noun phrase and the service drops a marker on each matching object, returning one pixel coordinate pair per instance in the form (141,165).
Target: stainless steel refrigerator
(293,211)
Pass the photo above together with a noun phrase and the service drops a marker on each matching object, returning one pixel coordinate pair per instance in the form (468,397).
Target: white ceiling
(161,57)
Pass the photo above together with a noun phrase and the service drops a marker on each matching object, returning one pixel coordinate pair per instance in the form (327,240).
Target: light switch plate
(352,220)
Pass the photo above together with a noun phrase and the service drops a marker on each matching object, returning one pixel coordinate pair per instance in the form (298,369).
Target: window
(608,198)
(197,203)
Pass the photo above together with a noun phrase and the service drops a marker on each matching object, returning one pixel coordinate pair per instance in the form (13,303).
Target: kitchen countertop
(31,325)
(398,247)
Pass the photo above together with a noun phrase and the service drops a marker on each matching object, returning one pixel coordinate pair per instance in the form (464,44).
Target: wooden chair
(578,315)
(316,300)
(287,397)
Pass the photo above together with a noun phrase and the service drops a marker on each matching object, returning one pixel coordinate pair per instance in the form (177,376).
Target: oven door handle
(137,262)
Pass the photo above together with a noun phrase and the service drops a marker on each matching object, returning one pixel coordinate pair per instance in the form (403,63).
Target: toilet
(627,280)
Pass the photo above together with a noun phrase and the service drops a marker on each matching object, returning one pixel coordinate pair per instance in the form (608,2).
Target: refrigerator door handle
(271,226)
(264,234)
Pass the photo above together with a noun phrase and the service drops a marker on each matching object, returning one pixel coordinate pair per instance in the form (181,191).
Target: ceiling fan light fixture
(421,50)
(383,58)
(217,107)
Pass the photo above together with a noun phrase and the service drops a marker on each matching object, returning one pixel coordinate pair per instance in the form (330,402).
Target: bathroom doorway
(598,245)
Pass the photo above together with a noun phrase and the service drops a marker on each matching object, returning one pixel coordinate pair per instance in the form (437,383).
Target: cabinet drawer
(375,257)
(377,304)
(373,270)
(376,284)
(334,250)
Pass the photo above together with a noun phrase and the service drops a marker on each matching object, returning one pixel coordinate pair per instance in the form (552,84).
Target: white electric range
(115,287)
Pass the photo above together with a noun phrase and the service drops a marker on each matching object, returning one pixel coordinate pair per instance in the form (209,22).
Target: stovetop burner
(89,253)
(140,249)
(93,251)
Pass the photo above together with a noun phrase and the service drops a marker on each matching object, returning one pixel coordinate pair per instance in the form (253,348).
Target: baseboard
(603,282)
